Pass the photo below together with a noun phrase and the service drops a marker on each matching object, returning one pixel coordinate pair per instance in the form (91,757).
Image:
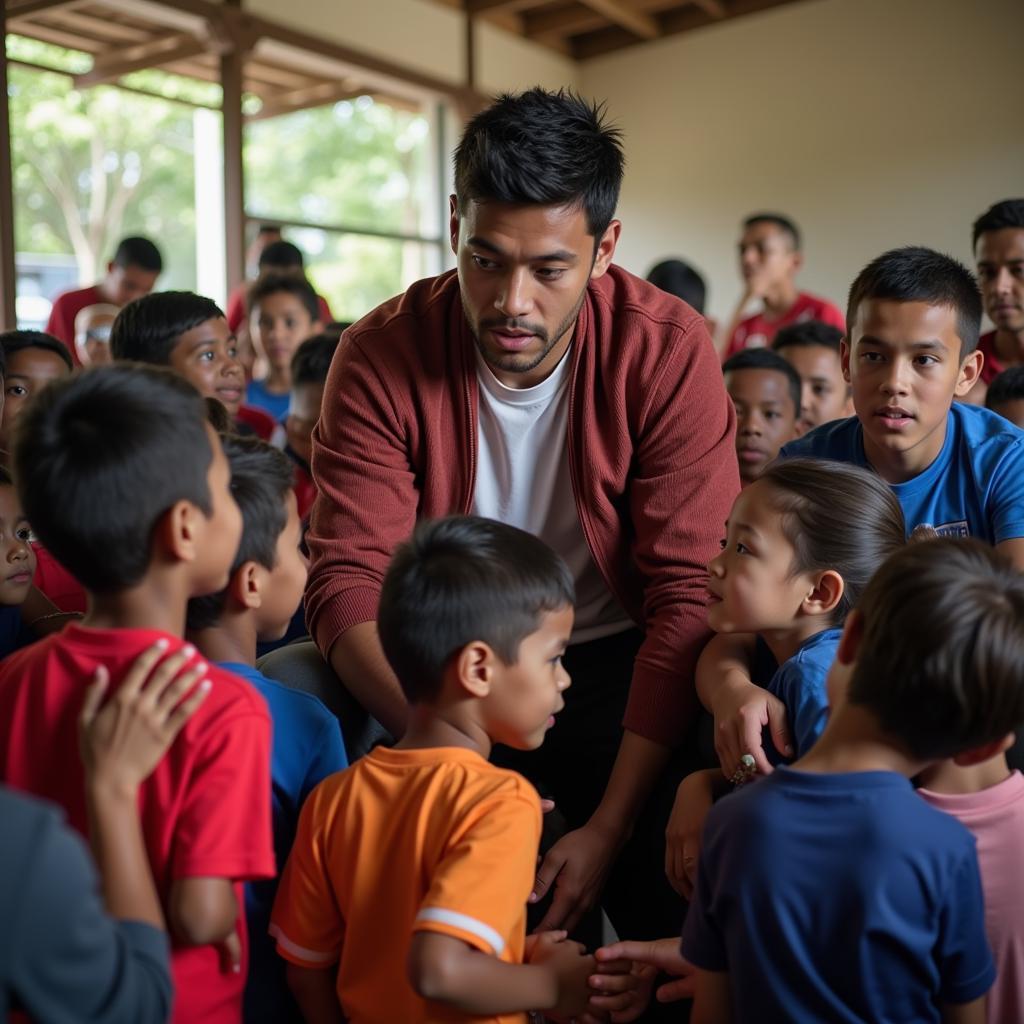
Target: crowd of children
(865,677)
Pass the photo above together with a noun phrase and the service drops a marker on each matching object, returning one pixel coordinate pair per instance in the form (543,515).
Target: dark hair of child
(783,223)
(917,274)
(336,328)
(6,480)
(100,457)
(140,252)
(282,255)
(273,284)
(261,477)
(462,579)
(807,335)
(678,278)
(218,417)
(17,341)
(1007,214)
(148,328)
(836,516)
(940,658)
(1007,386)
(542,148)
(312,359)
(766,359)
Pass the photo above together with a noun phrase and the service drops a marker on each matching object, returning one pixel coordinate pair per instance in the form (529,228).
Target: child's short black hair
(148,328)
(542,148)
(100,457)
(917,274)
(787,226)
(1007,386)
(271,284)
(462,579)
(941,660)
(312,359)
(281,255)
(807,335)
(766,359)
(6,480)
(136,251)
(678,278)
(15,341)
(836,516)
(1007,214)
(261,477)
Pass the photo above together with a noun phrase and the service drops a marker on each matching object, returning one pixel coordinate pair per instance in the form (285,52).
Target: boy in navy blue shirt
(912,327)
(266,584)
(831,891)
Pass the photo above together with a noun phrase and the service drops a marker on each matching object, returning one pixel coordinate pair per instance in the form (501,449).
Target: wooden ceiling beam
(27,8)
(113,64)
(494,6)
(561,21)
(48,34)
(716,8)
(619,13)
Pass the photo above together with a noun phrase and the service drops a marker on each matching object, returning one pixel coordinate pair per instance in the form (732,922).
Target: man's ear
(453,223)
(246,585)
(978,755)
(826,595)
(178,530)
(606,249)
(474,668)
(970,371)
(849,642)
(844,360)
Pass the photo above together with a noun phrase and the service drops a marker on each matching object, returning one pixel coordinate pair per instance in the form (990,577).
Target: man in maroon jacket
(544,387)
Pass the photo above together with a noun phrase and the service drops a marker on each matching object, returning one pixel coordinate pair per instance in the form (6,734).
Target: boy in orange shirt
(404,898)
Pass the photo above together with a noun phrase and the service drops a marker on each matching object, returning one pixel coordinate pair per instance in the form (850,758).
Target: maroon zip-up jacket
(653,462)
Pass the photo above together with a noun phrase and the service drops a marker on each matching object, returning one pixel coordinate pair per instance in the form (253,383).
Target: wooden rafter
(716,8)
(620,13)
(111,65)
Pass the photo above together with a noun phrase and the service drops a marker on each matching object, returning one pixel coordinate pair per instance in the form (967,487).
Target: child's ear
(474,668)
(849,642)
(985,752)
(826,595)
(970,371)
(844,362)
(246,585)
(178,531)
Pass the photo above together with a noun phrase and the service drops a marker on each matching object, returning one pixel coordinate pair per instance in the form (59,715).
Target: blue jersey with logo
(975,488)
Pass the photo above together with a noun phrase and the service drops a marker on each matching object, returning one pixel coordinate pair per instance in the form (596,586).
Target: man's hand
(577,866)
(694,798)
(741,713)
(649,958)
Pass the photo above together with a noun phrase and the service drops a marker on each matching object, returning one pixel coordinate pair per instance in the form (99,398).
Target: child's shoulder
(837,440)
(285,703)
(980,428)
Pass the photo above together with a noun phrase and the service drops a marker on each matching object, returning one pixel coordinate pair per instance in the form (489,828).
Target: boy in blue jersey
(266,584)
(912,326)
(831,891)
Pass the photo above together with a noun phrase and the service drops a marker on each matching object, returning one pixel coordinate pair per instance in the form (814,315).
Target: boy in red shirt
(128,486)
(474,619)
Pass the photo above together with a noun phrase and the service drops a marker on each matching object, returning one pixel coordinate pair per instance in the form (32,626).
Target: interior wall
(873,123)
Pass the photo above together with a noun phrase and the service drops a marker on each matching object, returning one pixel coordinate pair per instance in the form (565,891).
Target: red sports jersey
(758,331)
(205,810)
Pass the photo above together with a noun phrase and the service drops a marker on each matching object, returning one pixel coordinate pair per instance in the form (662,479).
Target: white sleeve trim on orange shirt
(296,950)
(466,923)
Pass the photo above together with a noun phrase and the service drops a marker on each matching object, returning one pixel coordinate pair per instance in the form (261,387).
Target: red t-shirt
(758,331)
(235,313)
(260,422)
(205,810)
(993,364)
(57,583)
(63,312)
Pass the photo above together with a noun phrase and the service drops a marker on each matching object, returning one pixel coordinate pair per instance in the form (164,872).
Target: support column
(8,274)
(231,64)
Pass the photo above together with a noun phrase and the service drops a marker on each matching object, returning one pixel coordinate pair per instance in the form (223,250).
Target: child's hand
(650,958)
(572,966)
(621,991)
(682,836)
(124,740)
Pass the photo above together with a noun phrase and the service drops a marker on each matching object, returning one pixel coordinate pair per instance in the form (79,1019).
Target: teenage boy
(264,590)
(1005,395)
(814,350)
(765,391)
(474,618)
(188,333)
(33,359)
(539,385)
(770,257)
(913,321)
(998,242)
(132,272)
(127,485)
(283,312)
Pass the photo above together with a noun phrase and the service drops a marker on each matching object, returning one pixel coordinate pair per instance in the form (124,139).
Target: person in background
(92,334)
(998,242)
(678,278)
(770,258)
(813,349)
(1005,395)
(132,272)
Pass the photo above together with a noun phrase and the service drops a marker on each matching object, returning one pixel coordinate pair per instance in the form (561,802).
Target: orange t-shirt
(403,841)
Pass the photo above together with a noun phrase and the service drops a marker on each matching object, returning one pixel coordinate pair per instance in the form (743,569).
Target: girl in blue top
(802,542)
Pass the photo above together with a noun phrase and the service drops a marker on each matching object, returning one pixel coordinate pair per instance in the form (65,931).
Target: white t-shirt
(523,479)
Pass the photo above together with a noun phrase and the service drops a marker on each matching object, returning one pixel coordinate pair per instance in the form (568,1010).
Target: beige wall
(874,123)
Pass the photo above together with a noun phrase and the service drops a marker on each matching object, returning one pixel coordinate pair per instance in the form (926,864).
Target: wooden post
(231,64)
(8,273)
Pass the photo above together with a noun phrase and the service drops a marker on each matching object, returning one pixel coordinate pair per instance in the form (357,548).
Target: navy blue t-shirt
(975,488)
(14,634)
(307,747)
(838,898)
